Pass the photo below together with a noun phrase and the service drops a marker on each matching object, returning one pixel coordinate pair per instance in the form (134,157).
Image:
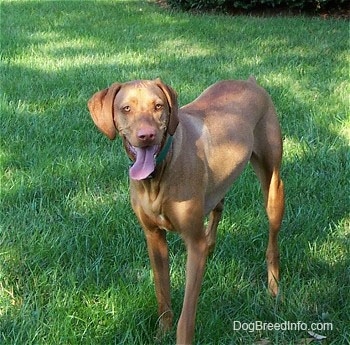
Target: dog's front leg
(159,258)
(197,252)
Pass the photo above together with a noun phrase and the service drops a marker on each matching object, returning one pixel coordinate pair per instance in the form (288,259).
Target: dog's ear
(101,109)
(173,105)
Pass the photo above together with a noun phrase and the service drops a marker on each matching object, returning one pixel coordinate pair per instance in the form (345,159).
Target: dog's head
(142,112)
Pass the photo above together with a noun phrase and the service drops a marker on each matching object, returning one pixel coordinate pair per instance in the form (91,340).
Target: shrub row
(302,5)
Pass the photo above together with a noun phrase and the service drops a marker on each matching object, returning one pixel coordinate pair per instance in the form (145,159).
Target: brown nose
(146,134)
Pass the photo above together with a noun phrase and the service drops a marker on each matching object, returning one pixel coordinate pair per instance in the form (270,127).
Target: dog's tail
(252,80)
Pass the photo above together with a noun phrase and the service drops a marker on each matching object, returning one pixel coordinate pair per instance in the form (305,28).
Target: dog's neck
(165,149)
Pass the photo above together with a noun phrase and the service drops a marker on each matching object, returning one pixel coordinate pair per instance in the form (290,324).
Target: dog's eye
(126,109)
(158,106)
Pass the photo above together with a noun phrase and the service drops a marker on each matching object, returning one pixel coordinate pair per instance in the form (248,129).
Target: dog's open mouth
(144,161)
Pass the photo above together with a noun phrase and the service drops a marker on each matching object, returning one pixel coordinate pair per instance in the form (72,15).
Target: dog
(184,162)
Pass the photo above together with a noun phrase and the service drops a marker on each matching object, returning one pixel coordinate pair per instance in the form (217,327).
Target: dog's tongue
(144,164)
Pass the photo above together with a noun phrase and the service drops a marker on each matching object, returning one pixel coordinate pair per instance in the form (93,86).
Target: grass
(73,261)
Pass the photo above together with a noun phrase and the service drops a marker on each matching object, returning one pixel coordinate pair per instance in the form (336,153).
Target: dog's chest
(149,208)
(158,218)
(163,223)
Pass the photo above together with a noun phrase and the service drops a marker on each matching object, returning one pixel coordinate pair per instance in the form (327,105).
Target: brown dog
(185,160)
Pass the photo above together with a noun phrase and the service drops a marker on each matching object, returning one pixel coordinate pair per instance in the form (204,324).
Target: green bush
(196,4)
(302,5)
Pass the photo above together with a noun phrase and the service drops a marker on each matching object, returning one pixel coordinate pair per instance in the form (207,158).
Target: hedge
(301,5)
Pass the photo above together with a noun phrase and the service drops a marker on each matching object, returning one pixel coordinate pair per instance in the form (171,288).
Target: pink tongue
(144,164)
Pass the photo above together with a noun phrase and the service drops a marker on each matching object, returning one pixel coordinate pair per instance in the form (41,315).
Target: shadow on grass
(65,196)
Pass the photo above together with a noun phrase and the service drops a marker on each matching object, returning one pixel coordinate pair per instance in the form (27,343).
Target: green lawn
(73,261)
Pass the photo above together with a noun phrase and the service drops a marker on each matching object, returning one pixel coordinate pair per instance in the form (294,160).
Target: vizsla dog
(184,161)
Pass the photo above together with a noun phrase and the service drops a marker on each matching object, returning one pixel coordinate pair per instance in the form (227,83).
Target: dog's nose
(146,134)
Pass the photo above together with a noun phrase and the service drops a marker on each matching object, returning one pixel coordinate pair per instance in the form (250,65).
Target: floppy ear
(173,105)
(252,79)
(101,109)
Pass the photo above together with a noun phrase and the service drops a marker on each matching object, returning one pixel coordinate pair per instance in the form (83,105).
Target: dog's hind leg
(266,161)
(214,219)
